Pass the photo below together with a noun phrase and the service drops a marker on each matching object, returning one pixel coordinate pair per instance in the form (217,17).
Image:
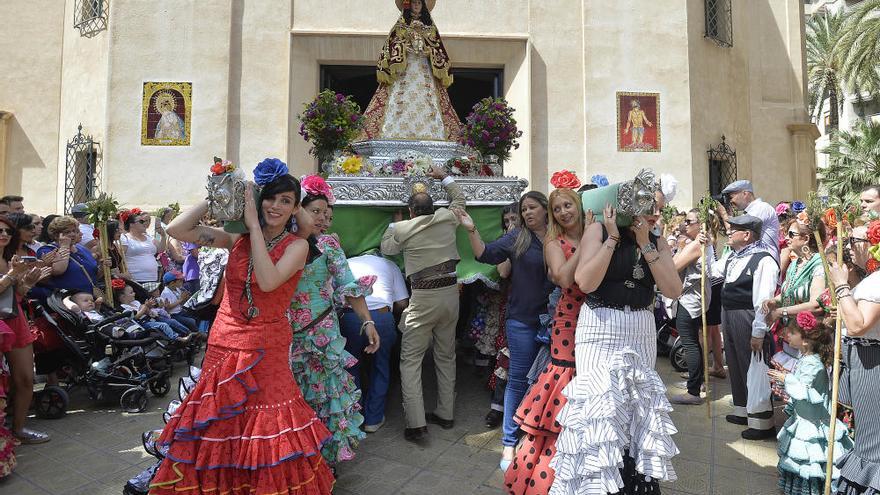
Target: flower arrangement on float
(491,129)
(329,123)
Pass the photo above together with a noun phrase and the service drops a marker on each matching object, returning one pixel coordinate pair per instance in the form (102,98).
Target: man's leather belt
(435,283)
(436,271)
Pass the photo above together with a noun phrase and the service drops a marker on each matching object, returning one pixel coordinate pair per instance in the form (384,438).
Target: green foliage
(101,209)
(491,129)
(854,162)
(824,63)
(330,123)
(859,48)
(667,213)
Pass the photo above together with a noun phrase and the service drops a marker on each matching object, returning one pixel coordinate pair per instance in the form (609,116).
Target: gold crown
(164,101)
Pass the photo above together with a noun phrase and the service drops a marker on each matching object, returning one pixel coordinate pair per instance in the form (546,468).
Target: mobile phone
(29,259)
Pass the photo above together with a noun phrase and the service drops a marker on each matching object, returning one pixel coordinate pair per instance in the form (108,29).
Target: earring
(806,251)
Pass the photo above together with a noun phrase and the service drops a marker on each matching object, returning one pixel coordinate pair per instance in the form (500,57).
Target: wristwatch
(650,247)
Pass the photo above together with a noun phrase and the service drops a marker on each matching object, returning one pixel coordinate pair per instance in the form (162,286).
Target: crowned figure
(413,72)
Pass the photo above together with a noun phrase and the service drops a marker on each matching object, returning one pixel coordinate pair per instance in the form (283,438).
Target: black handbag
(8,305)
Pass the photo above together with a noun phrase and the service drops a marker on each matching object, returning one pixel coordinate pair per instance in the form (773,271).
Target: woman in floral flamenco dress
(245,427)
(530,473)
(317,354)
(7,442)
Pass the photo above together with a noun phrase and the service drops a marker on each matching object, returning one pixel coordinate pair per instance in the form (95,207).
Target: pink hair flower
(806,320)
(782,209)
(315,185)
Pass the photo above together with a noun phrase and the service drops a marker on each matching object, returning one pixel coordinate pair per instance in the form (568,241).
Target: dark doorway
(470,86)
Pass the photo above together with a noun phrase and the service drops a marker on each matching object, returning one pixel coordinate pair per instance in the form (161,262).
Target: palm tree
(853,162)
(824,63)
(859,49)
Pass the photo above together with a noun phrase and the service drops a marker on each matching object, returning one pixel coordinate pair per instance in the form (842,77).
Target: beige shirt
(426,240)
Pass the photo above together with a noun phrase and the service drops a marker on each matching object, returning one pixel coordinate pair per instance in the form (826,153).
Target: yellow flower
(352,165)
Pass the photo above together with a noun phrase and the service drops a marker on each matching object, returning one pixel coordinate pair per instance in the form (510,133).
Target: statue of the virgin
(413,72)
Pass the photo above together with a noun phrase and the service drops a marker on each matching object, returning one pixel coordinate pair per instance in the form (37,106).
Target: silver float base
(395,191)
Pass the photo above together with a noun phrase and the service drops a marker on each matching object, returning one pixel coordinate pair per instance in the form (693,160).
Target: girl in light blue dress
(803,440)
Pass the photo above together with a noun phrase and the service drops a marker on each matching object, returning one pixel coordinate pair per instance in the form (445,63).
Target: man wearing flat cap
(750,275)
(743,197)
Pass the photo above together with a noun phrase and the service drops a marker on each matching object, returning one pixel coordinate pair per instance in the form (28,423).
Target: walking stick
(835,374)
(705,331)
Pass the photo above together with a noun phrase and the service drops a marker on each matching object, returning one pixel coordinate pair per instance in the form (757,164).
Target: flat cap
(746,222)
(79,208)
(737,186)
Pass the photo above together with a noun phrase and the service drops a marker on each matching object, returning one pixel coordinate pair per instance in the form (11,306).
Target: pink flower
(302,298)
(322,340)
(302,317)
(806,320)
(315,185)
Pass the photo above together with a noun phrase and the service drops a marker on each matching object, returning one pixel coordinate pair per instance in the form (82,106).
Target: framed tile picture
(638,121)
(167,114)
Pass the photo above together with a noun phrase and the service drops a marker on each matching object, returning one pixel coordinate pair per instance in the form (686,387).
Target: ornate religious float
(375,160)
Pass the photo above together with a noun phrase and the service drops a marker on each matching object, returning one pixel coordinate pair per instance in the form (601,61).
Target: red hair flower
(96,234)
(872,265)
(117,284)
(874,232)
(123,215)
(830,218)
(806,320)
(218,169)
(565,179)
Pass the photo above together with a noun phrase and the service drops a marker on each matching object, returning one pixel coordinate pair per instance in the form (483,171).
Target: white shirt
(140,256)
(171,297)
(769,228)
(764,281)
(868,290)
(88,234)
(390,286)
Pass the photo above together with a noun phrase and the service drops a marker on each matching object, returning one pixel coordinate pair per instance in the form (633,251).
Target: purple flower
(485,134)
(470,142)
(490,123)
(355,117)
(491,145)
(340,97)
(268,170)
(798,206)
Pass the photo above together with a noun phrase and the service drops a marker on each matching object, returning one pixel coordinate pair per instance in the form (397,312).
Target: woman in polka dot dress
(530,472)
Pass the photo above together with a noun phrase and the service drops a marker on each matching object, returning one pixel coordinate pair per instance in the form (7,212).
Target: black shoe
(753,434)
(446,424)
(737,420)
(415,434)
(493,419)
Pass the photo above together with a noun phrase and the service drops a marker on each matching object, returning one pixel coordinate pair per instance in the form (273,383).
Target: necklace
(253,311)
(638,271)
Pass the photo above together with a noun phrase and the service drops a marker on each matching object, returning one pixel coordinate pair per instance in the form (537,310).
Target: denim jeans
(179,328)
(161,327)
(690,330)
(373,401)
(189,323)
(523,349)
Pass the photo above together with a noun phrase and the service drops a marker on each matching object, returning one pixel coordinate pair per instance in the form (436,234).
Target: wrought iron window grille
(82,170)
(90,16)
(722,166)
(719,21)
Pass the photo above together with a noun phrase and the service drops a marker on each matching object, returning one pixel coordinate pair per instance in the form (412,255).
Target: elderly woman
(140,248)
(74,267)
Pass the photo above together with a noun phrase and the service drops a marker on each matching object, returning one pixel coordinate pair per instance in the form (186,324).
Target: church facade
(707,90)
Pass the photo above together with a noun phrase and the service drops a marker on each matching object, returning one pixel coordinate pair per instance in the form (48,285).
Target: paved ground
(96,448)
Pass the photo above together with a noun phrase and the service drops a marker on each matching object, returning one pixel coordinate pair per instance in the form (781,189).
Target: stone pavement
(96,449)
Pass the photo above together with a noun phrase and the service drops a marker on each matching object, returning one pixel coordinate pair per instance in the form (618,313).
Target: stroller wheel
(134,400)
(161,385)
(51,403)
(677,356)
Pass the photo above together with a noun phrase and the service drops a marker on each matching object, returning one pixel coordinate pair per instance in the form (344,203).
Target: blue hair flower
(798,207)
(599,180)
(269,170)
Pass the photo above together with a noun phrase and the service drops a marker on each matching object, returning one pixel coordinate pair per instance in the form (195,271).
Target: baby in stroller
(148,315)
(84,303)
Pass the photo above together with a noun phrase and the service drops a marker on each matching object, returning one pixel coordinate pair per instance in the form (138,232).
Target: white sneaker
(374,428)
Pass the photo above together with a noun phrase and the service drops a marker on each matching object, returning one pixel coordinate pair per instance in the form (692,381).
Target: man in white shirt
(743,197)
(80,213)
(389,296)
(750,276)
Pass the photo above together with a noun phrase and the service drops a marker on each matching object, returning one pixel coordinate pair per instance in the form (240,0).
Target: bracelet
(614,238)
(841,287)
(364,325)
(651,262)
(844,296)
(610,248)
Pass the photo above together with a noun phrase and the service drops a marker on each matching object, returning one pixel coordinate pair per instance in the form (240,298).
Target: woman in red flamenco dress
(530,473)
(245,427)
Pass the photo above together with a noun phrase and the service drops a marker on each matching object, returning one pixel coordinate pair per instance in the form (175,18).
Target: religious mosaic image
(167,109)
(638,121)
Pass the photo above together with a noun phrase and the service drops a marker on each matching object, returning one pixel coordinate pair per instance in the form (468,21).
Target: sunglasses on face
(6,231)
(792,234)
(688,223)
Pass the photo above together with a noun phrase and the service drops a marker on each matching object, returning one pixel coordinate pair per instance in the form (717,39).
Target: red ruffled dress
(530,472)
(245,427)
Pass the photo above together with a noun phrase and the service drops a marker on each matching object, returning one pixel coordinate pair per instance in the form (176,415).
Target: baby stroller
(177,351)
(105,362)
(668,341)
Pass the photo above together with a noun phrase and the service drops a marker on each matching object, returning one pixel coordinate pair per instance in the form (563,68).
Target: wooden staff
(705,331)
(105,255)
(835,374)
(123,266)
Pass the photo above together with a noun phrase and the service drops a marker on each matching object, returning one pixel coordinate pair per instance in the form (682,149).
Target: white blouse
(140,257)
(868,290)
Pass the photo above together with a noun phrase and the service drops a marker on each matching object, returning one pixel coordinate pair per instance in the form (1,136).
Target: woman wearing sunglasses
(139,248)
(19,277)
(24,224)
(804,278)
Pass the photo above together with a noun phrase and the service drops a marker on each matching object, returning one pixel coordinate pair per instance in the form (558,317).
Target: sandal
(718,373)
(32,437)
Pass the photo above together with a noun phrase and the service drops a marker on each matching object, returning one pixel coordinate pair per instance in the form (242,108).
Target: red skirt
(244,429)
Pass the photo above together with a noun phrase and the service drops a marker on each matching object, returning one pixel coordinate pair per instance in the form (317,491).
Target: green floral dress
(317,354)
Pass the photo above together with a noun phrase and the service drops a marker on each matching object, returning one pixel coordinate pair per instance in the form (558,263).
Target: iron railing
(82,170)
(722,166)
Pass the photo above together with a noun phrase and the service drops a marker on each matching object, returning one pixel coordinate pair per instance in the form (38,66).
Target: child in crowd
(803,440)
(84,303)
(173,297)
(7,441)
(146,314)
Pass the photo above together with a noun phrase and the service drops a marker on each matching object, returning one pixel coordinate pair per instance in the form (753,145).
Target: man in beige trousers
(427,241)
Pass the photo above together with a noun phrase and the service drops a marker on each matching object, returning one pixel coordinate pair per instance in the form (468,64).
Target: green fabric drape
(360,229)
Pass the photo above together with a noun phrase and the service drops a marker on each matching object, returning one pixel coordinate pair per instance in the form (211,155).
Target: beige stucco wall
(30,82)
(254,64)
